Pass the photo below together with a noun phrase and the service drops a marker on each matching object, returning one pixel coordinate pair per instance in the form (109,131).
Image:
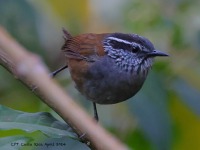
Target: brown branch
(30,70)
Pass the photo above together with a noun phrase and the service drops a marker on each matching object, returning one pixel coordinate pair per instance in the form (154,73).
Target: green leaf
(30,122)
(13,142)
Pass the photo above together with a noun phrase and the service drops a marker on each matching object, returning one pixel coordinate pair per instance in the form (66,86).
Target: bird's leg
(53,74)
(95,112)
(82,136)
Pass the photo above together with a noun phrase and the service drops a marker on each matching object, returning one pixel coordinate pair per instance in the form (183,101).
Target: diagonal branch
(30,70)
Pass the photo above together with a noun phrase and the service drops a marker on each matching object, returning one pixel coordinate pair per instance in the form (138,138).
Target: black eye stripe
(119,45)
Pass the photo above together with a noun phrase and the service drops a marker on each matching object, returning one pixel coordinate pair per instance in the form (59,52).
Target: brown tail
(67,35)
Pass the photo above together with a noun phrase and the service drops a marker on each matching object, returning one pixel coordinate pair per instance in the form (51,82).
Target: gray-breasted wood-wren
(108,68)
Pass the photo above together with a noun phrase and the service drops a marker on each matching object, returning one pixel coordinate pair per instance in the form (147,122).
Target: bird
(108,68)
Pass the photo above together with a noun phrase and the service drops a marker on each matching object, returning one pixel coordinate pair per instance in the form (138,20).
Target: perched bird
(108,68)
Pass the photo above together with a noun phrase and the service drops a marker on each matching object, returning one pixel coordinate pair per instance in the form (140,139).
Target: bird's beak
(157,53)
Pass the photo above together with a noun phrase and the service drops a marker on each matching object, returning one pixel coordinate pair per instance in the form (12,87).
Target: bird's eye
(113,42)
(135,49)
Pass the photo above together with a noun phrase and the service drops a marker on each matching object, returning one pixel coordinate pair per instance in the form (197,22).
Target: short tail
(67,36)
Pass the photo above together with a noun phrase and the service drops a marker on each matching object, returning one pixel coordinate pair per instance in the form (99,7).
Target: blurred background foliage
(164,115)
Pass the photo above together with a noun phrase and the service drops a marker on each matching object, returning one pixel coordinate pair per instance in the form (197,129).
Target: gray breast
(106,83)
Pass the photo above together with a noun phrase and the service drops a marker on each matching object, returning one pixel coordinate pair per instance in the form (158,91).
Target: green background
(164,115)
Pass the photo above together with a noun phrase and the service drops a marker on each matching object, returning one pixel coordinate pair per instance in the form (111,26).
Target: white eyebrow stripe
(120,40)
